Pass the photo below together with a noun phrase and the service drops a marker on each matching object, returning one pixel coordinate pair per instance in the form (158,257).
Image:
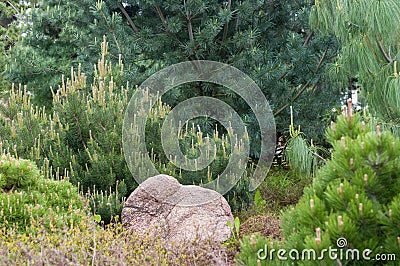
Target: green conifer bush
(82,138)
(28,198)
(355,196)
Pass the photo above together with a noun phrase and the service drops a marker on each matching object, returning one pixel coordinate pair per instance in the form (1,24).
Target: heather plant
(86,243)
(354,198)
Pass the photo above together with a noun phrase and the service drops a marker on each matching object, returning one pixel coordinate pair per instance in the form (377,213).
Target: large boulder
(177,212)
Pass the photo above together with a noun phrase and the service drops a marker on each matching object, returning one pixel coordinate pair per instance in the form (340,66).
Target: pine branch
(189,23)
(306,42)
(304,87)
(110,30)
(308,38)
(371,47)
(161,15)
(283,75)
(317,155)
(237,23)
(133,26)
(190,29)
(321,61)
(16,9)
(11,189)
(388,58)
(226,24)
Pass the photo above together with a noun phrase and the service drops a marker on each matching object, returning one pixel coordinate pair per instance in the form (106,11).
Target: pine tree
(354,199)
(28,199)
(355,196)
(11,15)
(82,139)
(369,34)
(268,40)
(58,35)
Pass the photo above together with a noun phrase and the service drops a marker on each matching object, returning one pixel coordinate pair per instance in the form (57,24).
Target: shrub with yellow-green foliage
(16,174)
(27,197)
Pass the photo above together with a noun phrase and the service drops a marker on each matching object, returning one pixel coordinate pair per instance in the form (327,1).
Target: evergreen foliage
(28,199)
(369,34)
(82,138)
(11,14)
(302,157)
(355,196)
(268,40)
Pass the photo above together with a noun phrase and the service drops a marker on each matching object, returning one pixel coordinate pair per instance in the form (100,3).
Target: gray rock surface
(177,212)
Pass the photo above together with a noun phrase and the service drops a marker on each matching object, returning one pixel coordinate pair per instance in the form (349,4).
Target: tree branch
(16,9)
(305,86)
(388,58)
(133,26)
(11,189)
(190,29)
(321,60)
(110,30)
(308,38)
(226,26)
(283,75)
(161,15)
(189,23)
(306,42)
(237,23)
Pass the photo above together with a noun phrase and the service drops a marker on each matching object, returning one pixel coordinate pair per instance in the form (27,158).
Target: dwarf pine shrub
(16,174)
(82,137)
(26,198)
(353,204)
